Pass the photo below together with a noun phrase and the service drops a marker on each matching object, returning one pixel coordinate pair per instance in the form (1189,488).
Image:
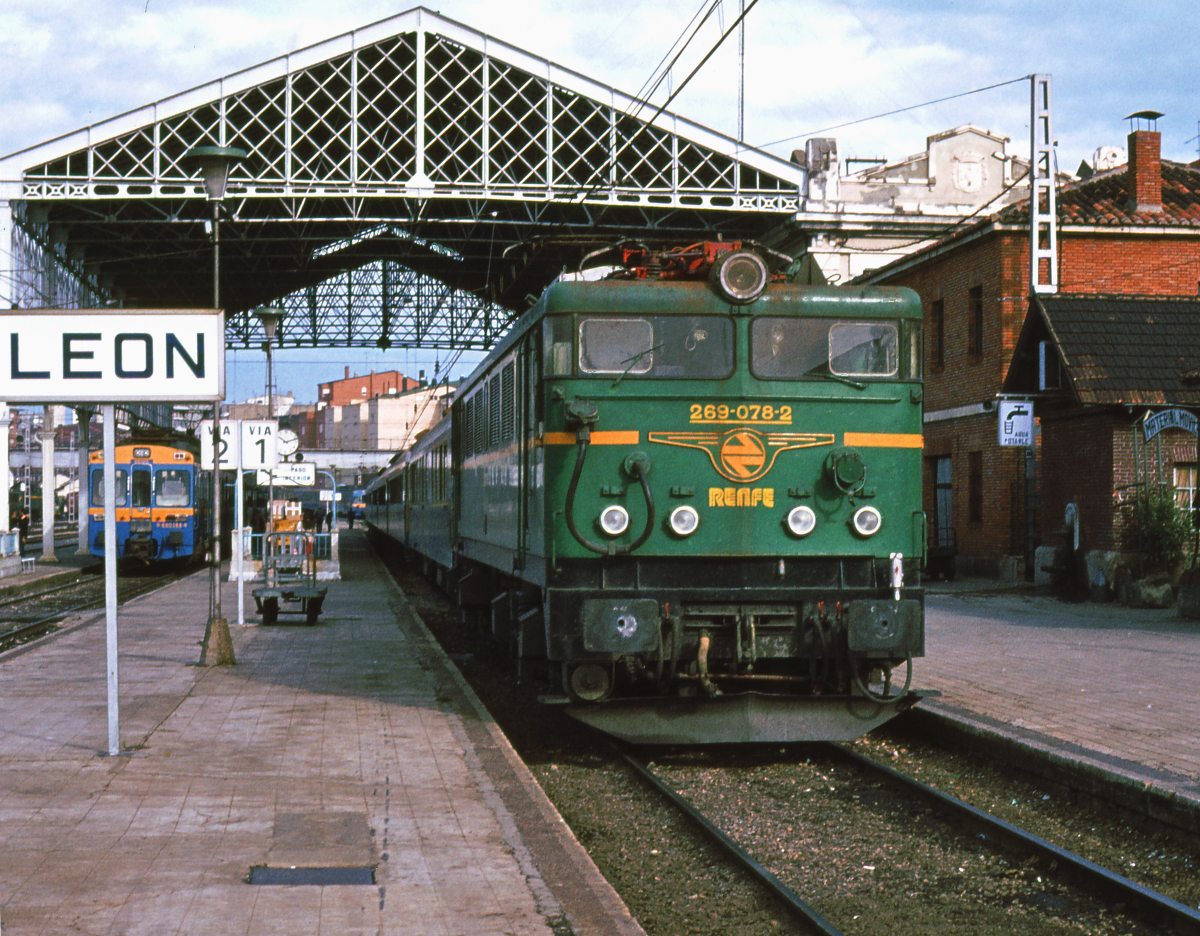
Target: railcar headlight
(684,520)
(867,521)
(801,520)
(614,520)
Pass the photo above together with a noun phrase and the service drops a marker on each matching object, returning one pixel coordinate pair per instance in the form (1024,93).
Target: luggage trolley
(290,575)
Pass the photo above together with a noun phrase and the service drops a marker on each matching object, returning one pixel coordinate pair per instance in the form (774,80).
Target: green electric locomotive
(689,494)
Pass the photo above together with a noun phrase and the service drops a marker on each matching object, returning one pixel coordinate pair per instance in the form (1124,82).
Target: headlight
(801,520)
(614,520)
(684,520)
(867,521)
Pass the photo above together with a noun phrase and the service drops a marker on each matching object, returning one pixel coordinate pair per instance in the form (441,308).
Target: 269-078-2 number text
(745,413)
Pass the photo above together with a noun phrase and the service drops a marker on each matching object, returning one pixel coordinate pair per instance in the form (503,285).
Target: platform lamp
(214,164)
(271,318)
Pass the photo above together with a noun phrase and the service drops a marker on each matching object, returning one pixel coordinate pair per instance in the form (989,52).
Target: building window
(943,534)
(975,301)
(939,333)
(975,487)
(1185,485)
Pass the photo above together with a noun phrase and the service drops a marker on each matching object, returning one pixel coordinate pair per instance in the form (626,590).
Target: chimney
(347,371)
(1143,179)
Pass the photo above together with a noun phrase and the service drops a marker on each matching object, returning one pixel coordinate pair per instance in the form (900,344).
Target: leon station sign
(147,355)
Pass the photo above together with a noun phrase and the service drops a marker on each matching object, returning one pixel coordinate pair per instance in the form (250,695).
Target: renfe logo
(112,356)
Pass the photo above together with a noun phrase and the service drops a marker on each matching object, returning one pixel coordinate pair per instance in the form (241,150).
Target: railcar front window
(122,479)
(141,488)
(173,488)
(657,346)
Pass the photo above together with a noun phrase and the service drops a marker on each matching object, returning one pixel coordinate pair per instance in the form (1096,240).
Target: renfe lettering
(133,356)
(741,497)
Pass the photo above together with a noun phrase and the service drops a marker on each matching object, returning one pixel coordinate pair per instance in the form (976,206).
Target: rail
(1153,905)
(756,869)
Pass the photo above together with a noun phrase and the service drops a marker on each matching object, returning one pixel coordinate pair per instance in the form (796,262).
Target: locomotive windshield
(173,487)
(655,346)
(795,348)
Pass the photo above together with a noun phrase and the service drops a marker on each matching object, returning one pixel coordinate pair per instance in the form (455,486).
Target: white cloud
(810,63)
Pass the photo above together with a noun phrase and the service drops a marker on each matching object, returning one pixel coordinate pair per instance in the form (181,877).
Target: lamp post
(271,318)
(215,163)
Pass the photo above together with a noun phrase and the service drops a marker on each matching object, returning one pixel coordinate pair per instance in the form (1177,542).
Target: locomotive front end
(732,506)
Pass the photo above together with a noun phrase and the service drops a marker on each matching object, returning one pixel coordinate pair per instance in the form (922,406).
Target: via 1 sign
(106,356)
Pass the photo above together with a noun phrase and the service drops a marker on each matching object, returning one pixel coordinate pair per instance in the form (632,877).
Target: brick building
(1101,368)
(1130,231)
(359,389)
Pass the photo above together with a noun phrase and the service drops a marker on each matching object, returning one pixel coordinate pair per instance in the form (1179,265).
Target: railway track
(871,857)
(26,617)
(1134,899)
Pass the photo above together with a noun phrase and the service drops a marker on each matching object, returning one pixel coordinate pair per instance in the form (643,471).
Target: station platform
(351,761)
(348,760)
(1099,691)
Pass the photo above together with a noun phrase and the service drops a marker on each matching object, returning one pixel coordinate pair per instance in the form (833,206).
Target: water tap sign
(1015,422)
(111,356)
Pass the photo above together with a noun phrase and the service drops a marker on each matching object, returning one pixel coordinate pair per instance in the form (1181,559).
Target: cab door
(141,503)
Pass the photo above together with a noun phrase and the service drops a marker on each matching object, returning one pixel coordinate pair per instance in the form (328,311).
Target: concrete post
(5,422)
(47,438)
(85,443)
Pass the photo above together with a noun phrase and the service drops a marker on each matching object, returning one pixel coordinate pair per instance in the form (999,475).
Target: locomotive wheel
(588,682)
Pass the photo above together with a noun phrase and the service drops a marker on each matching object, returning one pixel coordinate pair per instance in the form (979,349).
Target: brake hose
(638,468)
(887,682)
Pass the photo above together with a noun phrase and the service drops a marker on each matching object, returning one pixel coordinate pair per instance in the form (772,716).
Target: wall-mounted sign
(1015,425)
(112,355)
(1170,419)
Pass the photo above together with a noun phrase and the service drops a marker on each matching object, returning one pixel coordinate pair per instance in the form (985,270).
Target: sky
(811,69)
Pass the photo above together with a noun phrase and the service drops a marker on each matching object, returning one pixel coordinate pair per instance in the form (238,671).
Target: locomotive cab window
(173,488)
(122,479)
(798,348)
(556,339)
(864,349)
(615,346)
(657,346)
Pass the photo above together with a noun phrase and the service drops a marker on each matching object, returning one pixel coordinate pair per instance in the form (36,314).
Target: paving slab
(352,744)
(1106,686)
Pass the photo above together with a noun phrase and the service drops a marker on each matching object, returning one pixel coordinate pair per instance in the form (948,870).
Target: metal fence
(252,543)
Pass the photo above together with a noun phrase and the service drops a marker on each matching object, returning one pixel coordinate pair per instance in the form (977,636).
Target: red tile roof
(1104,200)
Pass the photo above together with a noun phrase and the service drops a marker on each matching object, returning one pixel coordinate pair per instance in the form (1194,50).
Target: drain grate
(315,877)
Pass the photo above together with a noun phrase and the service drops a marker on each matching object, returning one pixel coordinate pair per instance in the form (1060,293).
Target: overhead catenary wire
(892,113)
(584,191)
